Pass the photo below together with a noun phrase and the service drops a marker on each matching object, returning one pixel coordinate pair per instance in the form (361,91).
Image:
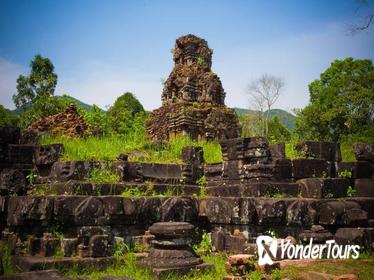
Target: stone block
(250,150)
(320,150)
(358,169)
(131,209)
(224,190)
(355,236)
(364,187)
(331,212)
(63,171)
(34,244)
(193,155)
(23,210)
(36,275)
(48,245)
(319,235)
(213,172)
(301,213)
(21,153)
(90,211)
(256,172)
(12,181)
(230,170)
(268,189)
(366,203)
(69,246)
(323,187)
(278,151)
(79,210)
(98,246)
(355,217)
(282,169)
(309,168)
(162,172)
(48,154)
(271,211)
(113,209)
(149,210)
(220,210)
(218,240)
(179,209)
(364,151)
(235,244)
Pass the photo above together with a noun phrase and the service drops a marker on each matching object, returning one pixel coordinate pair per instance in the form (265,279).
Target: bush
(7,118)
(126,114)
(42,107)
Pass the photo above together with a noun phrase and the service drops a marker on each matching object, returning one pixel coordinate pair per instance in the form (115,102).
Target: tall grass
(130,269)
(138,147)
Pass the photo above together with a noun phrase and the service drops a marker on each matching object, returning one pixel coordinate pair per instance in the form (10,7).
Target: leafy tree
(43,106)
(97,118)
(341,101)
(277,131)
(126,112)
(128,102)
(41,82)
(7,118)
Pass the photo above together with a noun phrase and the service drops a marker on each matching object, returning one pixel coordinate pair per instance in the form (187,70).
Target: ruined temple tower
(193,99)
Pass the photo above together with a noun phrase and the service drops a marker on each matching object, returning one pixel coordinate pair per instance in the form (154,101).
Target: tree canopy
(341,101)
(42,81)
(127,113)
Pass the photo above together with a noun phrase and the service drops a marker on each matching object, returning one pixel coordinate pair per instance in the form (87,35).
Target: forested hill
(66,97)
(287,119)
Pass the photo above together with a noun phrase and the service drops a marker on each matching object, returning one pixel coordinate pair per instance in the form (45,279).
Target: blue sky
(101,49)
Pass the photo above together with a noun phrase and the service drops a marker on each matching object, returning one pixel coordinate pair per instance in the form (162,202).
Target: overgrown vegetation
(99,175)
(129,268)
(204,248)
(6,259)
(136,144)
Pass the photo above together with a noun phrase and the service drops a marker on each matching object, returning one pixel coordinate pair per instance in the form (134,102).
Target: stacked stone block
(193,98)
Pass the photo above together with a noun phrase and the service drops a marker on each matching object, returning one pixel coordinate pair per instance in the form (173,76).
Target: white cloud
(100,83)
(299,60)
(9,73)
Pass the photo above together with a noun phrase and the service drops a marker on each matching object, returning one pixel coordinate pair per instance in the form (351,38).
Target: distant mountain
(287,119)
(78,102)
(68,98)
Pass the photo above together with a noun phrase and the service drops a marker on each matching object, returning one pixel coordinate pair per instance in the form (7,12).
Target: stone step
(95,189)
(36,275)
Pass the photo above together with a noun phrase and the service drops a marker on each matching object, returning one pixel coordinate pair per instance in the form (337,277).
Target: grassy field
(139,149)
(129,269)
(364,269)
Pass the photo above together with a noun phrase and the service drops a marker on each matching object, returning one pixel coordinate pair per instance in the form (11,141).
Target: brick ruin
(52,215)
(255,190)
(193,99)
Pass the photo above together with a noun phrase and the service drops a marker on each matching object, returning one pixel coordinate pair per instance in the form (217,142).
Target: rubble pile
(69,123)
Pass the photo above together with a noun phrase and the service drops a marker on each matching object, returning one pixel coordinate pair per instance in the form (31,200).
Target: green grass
(109,147)
(364,269)
(6,259)
(130,269)
(346,145)
(291,152)
(98,175)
